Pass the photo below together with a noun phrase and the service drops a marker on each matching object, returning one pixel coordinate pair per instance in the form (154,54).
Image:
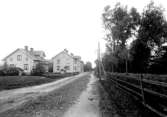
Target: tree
(152,34)
(120,25)
(153,26)
(88,66)
(50,69)
(159,63)
(140,54)
(38,70)
(149,33)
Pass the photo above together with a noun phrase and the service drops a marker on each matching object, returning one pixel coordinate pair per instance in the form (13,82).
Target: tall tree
(88,66)
(120,25)
(151,35)
(153,26)
(140,54)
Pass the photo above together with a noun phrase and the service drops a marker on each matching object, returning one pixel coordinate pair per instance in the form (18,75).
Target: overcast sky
(52,25)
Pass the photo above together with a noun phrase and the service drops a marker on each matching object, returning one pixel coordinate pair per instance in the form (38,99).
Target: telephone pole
(98,59)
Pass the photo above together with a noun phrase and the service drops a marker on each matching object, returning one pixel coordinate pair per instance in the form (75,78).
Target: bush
(2,73)
(38,70)
(11,71)
(58,75)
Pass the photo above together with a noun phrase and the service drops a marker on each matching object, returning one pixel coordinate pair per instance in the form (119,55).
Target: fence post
(142,89)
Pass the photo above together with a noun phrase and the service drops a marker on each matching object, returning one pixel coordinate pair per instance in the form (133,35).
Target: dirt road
(63,98)
(88,103)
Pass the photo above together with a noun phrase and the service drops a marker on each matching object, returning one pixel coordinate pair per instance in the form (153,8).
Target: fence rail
(152,94)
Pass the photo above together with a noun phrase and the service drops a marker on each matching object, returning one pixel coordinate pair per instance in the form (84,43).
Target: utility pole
(98,59)
(127,57)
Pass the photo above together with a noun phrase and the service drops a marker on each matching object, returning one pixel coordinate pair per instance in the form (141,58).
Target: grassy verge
(12,82)
(115,102)
(53,104)
(154,77)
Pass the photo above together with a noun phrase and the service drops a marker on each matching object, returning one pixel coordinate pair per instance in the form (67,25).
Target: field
(11,82)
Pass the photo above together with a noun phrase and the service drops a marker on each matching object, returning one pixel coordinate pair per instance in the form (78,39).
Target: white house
(25,59)
(65,62)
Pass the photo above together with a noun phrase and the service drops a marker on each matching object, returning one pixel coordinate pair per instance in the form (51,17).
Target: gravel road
(88,102)
(63,98)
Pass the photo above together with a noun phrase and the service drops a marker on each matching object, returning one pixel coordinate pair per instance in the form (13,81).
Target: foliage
(38,70)
(153,26)
(148,31)
(88,66)
(152,33)
(120,25)
(12,82)
(50,67)
(159,63)
(10,71)
(140,54)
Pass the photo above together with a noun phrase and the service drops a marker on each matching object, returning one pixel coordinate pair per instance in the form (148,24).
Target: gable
(20,51)
(10,54)
(61,54)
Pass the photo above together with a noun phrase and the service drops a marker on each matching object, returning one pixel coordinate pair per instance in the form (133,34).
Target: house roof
(29,53)
(39,53)
(61,53)
(66,52)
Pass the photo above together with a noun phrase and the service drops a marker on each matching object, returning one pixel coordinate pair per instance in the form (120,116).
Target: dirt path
(11,99)
(88,102)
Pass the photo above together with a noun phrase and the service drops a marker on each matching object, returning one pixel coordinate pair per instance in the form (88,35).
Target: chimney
(26,48)
(65,50)
(72,54)
(31,49)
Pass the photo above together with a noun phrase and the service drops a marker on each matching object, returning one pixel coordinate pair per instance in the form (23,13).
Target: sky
(53,25)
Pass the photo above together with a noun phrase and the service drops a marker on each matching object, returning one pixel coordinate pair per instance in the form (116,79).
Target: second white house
(68,63)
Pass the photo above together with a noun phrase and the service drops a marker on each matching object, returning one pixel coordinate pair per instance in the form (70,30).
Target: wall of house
(64,60)
(75,65)
(25,59)
(81,67)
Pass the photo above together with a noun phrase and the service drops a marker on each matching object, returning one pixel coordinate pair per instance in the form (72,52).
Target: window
(58,68)
(67,67)
(75,61)
(25,66)
(58,61)
(11,65)
(75,68)
(19,57)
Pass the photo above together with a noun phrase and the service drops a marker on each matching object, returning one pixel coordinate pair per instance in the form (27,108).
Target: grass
(155,77)
(12,82)
(54,104)
(125,105)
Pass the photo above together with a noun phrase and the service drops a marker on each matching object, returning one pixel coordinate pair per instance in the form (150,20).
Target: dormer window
(19,57)
(11,65)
